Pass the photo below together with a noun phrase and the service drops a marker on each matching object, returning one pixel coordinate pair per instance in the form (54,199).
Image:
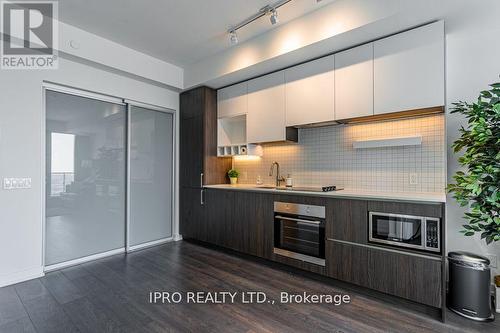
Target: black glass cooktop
(329,188)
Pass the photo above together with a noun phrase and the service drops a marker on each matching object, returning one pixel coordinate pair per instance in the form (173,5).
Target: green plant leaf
(477,185)
(233,173)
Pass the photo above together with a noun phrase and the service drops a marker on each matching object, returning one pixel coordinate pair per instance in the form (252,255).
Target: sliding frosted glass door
(151,175)
(85,177)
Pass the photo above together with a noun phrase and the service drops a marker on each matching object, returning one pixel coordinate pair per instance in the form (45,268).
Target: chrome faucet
(279,178)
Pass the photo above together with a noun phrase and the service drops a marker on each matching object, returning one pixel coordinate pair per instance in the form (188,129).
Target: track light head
(233,37)
(271,10)
(274,16)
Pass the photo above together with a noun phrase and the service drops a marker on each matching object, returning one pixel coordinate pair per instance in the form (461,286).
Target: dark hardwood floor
(112,295)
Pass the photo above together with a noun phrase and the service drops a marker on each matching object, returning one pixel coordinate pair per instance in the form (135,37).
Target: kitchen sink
(269,187)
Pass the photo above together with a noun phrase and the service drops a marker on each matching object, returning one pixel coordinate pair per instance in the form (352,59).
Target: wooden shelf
(239,150)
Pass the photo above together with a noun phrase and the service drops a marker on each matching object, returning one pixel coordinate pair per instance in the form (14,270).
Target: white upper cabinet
(309,92)
(409,70)
(266,108)
(398,73)
(354,82)
(232,100)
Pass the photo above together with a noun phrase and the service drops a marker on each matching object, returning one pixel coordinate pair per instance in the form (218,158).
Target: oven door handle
(298,220)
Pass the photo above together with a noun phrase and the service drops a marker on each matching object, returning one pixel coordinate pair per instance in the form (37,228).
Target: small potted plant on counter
(233,176)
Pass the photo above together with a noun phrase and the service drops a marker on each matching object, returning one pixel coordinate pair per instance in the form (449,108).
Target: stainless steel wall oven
(299,232)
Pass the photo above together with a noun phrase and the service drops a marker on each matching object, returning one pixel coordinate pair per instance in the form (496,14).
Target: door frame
(50,86)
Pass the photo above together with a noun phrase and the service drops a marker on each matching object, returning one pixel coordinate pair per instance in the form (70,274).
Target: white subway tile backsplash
(325,156)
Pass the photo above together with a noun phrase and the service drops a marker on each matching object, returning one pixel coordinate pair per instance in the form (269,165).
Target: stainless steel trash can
(469,292)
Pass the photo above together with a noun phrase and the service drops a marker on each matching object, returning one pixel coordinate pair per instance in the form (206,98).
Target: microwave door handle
(392,228)
(423,233)
(298,220)
(401,235)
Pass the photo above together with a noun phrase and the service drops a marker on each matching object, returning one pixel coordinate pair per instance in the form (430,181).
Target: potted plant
(478,185)
(233,176)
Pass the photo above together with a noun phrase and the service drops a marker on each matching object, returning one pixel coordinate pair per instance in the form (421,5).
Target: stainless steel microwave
(416,232)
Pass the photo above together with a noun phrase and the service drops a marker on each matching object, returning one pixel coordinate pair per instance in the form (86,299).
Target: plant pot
(234,181)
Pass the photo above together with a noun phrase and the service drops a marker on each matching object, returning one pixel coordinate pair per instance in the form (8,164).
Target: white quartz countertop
(345,193)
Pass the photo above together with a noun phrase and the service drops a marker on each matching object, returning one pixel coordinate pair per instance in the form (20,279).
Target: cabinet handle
(202,197)
(201,179)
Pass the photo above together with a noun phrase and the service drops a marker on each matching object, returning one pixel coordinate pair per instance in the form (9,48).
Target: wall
(105,52)
(334,25)
(21,150)
(472,61)
(325,156)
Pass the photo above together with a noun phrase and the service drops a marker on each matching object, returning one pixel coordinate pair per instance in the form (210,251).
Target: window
(62,167)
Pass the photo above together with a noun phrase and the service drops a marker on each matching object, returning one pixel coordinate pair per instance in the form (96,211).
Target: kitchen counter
(346,193)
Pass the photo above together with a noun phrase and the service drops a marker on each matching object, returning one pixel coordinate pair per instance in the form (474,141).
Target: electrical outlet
(413,179)
(7,183)
(493,260)
(16,183)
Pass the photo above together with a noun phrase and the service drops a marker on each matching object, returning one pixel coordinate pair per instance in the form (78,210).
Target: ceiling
(180,32)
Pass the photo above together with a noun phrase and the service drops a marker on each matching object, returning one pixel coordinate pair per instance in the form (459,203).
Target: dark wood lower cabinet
(192,214)
(414,278)
(240,221)
(218,218)
(347,263)
(244,222)
(253,221)
(408,276)
(350,220)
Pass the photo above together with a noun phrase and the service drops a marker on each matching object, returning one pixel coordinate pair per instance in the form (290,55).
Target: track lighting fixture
(271,10)
(274,16)
(233,37)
